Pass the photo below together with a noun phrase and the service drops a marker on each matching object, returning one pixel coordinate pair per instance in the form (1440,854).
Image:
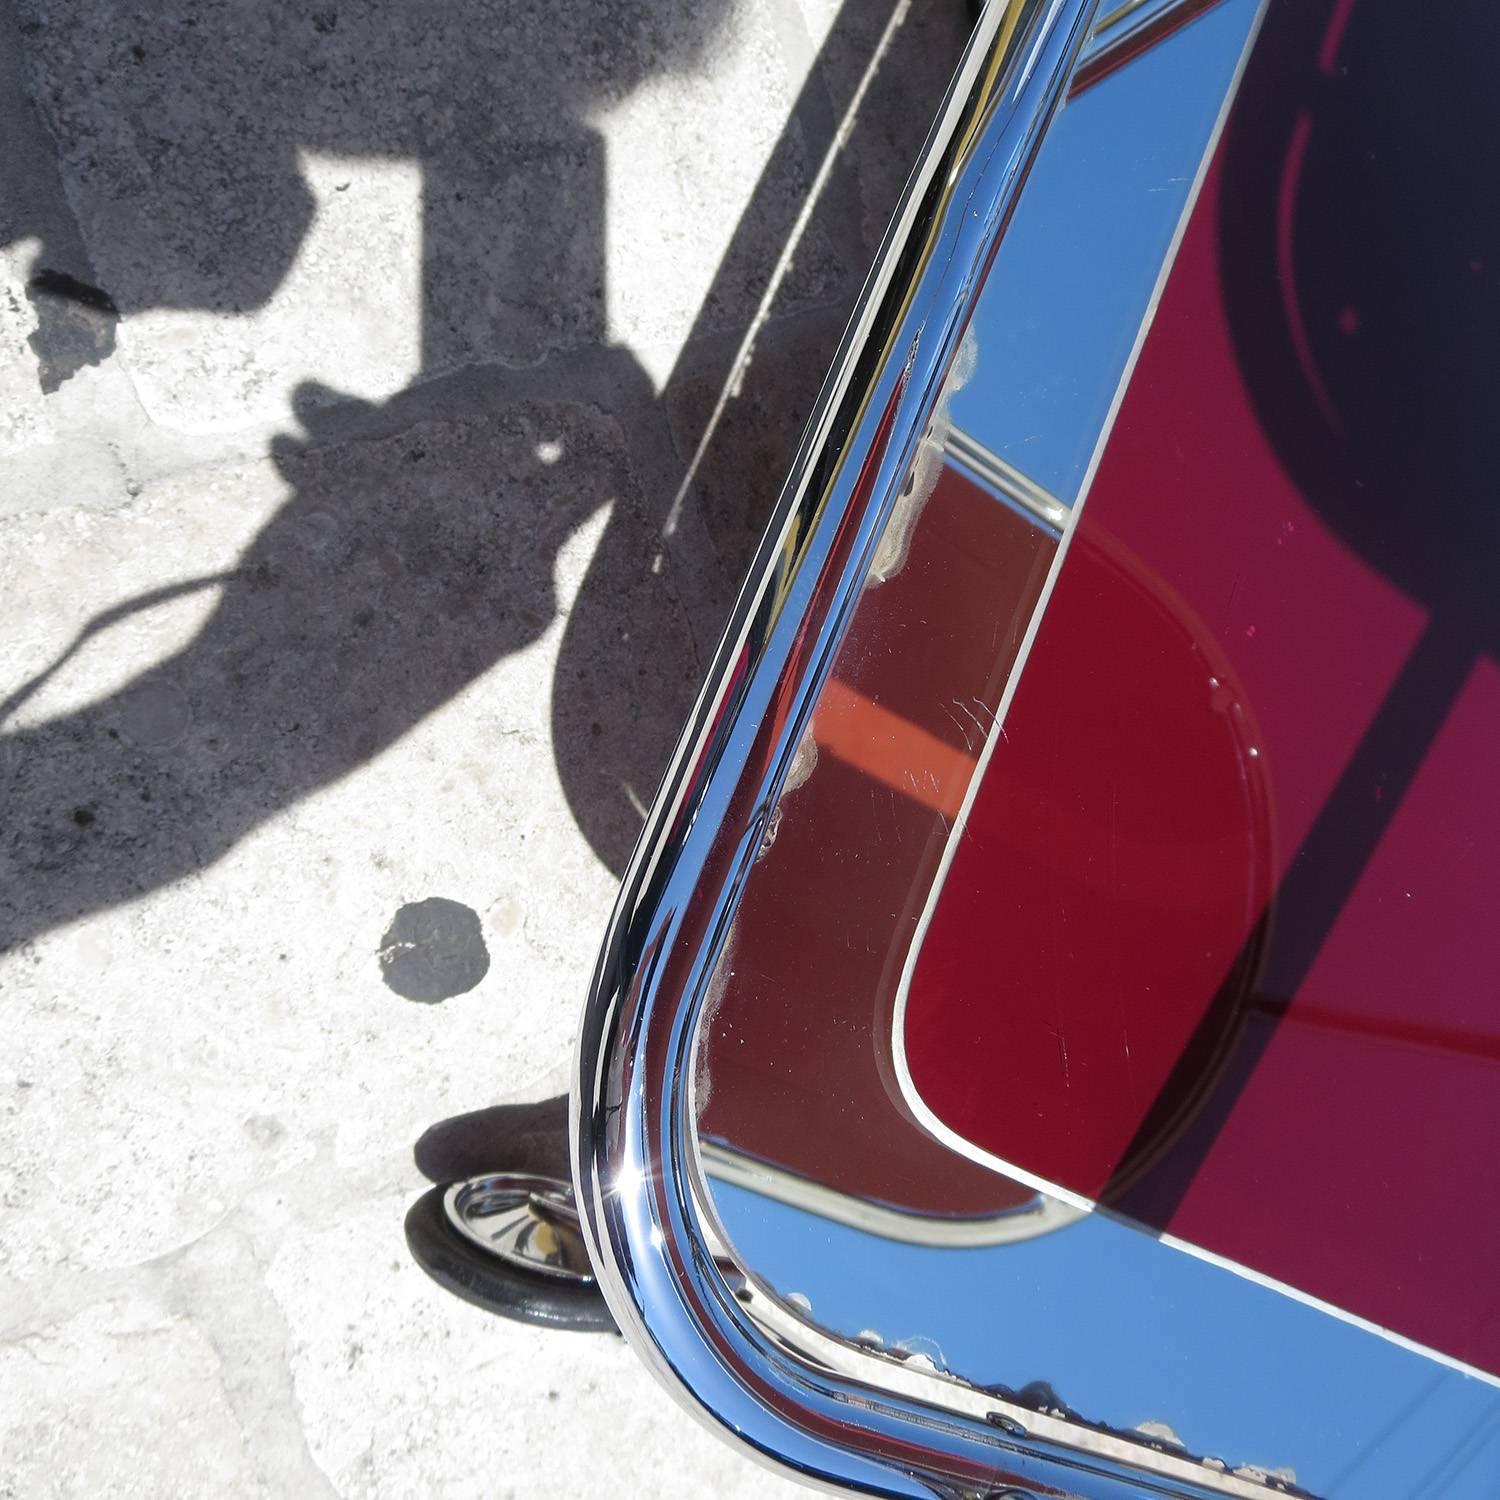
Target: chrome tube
(635,1163)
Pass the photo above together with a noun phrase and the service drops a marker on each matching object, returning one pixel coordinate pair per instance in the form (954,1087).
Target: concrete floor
(352,364)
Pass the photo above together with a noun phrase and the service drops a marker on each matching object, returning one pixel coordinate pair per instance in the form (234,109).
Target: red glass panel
(1216,947)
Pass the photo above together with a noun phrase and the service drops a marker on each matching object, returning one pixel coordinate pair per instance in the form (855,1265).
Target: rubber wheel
(461,1267)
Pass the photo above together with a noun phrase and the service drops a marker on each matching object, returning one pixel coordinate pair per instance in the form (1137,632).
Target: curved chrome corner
(635,1158)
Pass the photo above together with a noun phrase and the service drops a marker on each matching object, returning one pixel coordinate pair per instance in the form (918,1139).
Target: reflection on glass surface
(1189,917)
(1248,995)
(1113,1322)
(1076,270)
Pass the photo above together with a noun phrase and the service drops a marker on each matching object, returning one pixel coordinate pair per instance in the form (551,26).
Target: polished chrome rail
(636,1160)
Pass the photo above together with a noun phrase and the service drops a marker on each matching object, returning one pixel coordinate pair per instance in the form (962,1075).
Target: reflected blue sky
(1128,1330)
(1076,269)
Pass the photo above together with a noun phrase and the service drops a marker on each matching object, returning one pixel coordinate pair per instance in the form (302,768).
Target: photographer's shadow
(419,540)
(398,570)
(415,549)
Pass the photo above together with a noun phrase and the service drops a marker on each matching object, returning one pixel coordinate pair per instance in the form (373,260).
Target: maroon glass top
(1217,946)
(1209,941)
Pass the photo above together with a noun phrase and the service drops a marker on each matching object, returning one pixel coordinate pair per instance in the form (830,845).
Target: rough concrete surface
(352,363)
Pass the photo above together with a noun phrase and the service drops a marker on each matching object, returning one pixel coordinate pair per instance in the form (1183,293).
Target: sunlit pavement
(353,365)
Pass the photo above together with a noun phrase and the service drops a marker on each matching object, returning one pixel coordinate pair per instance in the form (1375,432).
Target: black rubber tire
(461,1267)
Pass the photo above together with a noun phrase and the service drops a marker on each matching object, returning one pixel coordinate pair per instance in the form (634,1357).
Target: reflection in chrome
(1007,481)
(916,1376)
(527,1221)
(1037,1414)
(1040,1216)
(632,1147)
(732,1352)
(1126,29)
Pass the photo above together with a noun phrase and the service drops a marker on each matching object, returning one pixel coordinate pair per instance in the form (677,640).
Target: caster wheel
(510,1242)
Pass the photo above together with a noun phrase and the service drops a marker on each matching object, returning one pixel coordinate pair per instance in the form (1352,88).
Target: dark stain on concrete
(433,950)
(75,326)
